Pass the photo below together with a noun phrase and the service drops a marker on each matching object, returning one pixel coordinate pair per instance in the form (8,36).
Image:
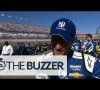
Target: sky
(85,21)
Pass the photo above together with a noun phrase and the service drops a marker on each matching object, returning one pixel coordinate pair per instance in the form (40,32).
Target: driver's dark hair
(89,35)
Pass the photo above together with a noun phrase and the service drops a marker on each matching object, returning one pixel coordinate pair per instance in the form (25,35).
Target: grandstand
(20,31)
(23,31)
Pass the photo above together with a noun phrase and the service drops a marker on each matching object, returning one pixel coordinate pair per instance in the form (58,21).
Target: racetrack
(13,42)
(24,40)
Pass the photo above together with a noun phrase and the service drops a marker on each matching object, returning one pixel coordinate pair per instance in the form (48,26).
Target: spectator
(17,49)
(7,49)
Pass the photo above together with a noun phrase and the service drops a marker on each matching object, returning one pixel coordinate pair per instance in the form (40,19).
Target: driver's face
(59,45)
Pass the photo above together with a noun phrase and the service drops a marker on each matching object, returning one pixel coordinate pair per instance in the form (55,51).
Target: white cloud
(2,14)
(20,18)
(9,16)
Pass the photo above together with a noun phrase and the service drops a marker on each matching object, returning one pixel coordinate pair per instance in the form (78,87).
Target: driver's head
(63,33)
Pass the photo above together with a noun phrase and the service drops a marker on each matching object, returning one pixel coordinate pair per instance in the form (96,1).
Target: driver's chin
(58,53)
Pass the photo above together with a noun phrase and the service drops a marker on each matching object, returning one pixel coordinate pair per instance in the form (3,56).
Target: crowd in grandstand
(21,27)
(17,31)
(22,36)
(23,31)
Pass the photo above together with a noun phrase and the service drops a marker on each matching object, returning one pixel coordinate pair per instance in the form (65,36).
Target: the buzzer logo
(27,65)
(2,65)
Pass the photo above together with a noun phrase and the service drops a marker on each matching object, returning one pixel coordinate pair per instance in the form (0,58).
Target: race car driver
(79,66)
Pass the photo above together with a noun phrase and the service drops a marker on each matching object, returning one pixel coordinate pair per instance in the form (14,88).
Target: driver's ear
(73,40)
